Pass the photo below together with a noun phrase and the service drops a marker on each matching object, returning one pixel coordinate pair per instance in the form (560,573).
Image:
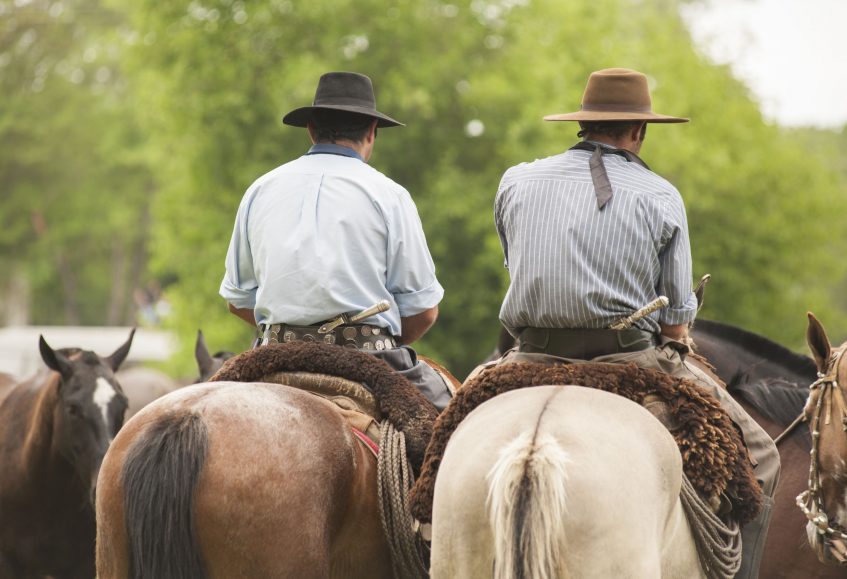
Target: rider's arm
(416,326)
(245,314)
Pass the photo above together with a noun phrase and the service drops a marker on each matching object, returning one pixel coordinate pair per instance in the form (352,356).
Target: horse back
(619,473)
(281,475)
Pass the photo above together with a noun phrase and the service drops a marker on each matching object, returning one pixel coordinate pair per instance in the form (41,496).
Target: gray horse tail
(160,475)
(527,506)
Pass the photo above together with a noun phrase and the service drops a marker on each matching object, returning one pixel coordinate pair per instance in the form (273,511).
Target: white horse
(556,482)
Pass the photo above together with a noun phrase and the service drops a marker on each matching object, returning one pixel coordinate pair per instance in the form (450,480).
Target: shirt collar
(333,149)
(605,145)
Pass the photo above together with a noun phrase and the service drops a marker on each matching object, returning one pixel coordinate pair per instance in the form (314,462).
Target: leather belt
(584,344)
(360,336)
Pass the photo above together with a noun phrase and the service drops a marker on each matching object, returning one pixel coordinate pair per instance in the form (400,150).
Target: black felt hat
(342,91)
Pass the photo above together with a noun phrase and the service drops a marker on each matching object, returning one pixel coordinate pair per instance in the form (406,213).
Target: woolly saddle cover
(399,401)
(713,454)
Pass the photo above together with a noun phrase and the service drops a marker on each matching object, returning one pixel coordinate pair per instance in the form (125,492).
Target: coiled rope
(394,480)
(718,544)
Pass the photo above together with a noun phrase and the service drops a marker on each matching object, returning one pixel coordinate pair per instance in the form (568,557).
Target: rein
(810,501)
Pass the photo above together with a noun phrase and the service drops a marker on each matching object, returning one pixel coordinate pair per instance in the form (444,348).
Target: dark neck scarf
(602,186)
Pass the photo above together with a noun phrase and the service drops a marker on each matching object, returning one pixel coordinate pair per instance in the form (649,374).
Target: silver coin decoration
(329,339)
(366,330)
(379,345)
(376,331)
(288,336)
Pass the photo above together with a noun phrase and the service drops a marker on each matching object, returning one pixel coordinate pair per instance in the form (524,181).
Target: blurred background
(129,132)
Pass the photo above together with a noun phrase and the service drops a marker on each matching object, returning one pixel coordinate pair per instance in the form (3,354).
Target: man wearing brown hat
(327,234)
(591,236)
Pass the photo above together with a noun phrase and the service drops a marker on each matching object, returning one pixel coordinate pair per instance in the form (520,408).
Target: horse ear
(119,355)
(201,354)
(818,342)
(54,360)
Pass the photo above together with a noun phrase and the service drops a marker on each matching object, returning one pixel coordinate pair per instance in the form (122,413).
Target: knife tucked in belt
(378,307)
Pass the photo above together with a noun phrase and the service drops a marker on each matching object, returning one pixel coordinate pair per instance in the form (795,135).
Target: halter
(810,501)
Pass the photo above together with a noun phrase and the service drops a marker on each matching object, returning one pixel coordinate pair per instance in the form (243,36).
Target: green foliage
(196,116)
(75,190)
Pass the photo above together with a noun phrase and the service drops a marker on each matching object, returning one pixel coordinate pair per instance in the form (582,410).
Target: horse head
(90,406)
(207,363)
(825,503)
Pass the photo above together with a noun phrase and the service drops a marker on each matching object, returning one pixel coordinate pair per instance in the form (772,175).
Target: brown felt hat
(342,91)
(616,94)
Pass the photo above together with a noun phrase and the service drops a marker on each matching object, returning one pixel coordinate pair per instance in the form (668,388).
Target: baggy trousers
(670,359)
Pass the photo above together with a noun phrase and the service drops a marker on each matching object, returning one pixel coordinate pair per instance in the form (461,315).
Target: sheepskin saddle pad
(713,454)
(338,374)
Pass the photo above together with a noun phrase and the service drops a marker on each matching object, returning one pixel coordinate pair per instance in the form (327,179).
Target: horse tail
(527,504)
(159,476)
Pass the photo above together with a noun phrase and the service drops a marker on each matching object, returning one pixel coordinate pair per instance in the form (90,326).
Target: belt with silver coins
(360,336)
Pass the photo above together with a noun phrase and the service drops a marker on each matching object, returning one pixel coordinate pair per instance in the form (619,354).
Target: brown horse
(245,480)
(825,503)
(55,428)
(249,479)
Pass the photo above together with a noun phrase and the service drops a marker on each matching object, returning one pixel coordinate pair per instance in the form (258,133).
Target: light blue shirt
(574,266)
(327,234)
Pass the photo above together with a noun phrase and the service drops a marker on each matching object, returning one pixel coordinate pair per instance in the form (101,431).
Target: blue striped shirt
(574,266)
(327,234)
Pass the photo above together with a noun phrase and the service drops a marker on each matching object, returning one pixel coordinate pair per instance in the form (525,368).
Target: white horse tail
(527,505)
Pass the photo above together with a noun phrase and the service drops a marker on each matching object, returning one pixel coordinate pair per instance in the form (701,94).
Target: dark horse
(55,428)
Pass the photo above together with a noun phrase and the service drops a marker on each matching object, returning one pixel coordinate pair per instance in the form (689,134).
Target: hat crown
(342,91)
(617,89)
(345,88)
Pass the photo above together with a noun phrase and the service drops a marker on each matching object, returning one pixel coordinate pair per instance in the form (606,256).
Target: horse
(207,363)
(561,481)
(55,428)
(825,501)
(248,479)
(771,383)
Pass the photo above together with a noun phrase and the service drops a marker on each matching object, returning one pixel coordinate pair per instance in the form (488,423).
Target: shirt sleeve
(410,275)
(676,269)
(239,285)
(499,201)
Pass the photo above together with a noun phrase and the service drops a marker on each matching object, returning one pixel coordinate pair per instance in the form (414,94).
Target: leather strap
(584,344)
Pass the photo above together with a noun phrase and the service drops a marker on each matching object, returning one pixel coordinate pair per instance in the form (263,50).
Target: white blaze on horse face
(102,396)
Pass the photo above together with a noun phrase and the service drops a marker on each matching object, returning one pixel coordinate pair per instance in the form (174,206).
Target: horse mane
(776,400)
(760,346)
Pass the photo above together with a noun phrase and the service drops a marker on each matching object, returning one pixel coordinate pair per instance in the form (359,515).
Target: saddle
(713,454)
(356,403)
(366,389)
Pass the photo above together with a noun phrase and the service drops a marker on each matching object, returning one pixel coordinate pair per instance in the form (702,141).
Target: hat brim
(615,116)
(300,117)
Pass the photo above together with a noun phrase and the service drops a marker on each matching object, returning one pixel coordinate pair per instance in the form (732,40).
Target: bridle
(810,501)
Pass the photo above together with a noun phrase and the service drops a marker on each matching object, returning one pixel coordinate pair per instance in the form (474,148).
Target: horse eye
(73,410)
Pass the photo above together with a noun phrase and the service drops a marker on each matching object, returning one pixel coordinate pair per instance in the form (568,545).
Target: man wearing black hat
(326,234)
(590,237)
